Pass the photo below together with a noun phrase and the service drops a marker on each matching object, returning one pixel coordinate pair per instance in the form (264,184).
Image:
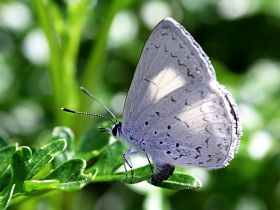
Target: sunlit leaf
(39,185)
(139,175)
(70,175)
(181,181)
(43,156)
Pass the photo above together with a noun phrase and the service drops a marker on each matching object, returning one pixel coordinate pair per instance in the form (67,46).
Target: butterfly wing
(176,111)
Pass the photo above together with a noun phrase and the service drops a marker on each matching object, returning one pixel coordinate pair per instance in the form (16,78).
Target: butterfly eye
(115,130)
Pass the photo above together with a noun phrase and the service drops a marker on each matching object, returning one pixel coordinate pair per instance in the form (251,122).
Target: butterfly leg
(162,172)
(151,166)
(128,162)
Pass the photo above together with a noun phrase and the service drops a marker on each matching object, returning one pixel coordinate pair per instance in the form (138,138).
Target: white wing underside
(175,110)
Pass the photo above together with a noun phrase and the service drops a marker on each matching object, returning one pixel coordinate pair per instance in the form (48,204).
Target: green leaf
(110,159)
(92,140)
(18,167)
(43,156)
(89,155)
(109,177)
(6,154)
(140,174)
(70,175)
(63,132)
(6,196)
(26,152)
(180,181)
(39,185)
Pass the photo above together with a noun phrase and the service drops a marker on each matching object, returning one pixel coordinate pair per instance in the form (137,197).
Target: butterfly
(176,112)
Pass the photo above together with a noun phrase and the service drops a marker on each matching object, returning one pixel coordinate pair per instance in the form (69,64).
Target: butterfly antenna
(103,105)
(83,113)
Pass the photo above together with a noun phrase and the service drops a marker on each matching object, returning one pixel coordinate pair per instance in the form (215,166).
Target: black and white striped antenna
(113,119)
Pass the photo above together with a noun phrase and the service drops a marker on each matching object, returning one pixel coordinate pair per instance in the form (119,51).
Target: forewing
(175,108)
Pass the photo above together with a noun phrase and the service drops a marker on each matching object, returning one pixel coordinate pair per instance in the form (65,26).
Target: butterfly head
(116,129)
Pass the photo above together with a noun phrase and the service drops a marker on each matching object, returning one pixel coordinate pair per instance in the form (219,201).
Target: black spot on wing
(198,149)
(173,56)
(150,81)
(176,118)
(172,99)
(181,64)
(189,74)
(207,142)
(195,157)
(186,124)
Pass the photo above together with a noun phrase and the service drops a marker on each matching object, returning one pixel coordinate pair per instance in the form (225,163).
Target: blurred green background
(50,48)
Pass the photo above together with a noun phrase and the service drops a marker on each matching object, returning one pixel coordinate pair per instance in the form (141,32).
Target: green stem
(63,36)
(92,71)
(77,13)
(43,13)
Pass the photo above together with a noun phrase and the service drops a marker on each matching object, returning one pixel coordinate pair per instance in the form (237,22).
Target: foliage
(30,174)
